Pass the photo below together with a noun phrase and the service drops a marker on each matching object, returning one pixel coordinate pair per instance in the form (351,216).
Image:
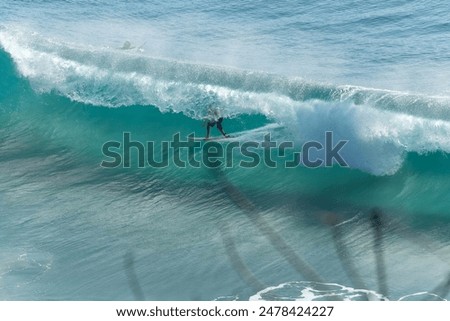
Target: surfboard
(213,138)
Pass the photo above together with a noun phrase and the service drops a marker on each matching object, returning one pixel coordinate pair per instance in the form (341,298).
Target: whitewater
(374,76)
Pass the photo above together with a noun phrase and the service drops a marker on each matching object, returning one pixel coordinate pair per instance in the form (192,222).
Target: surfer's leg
(210,124)
(220,128)
(208,128)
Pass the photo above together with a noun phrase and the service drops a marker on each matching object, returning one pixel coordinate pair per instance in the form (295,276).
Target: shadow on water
(374,220)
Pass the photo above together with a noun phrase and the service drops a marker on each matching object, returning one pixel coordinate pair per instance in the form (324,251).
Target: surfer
(213,120)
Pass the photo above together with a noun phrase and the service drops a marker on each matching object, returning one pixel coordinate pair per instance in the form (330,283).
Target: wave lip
(114,78)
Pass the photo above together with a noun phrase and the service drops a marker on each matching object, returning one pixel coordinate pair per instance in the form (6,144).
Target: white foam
(314,291)
(422,296)
(378,140)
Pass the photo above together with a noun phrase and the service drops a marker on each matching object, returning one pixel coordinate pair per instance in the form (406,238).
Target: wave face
(60,101)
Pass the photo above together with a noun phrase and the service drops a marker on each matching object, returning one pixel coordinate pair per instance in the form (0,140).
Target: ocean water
(78,74)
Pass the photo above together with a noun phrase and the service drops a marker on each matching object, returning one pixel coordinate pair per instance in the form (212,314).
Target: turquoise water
(373,74)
